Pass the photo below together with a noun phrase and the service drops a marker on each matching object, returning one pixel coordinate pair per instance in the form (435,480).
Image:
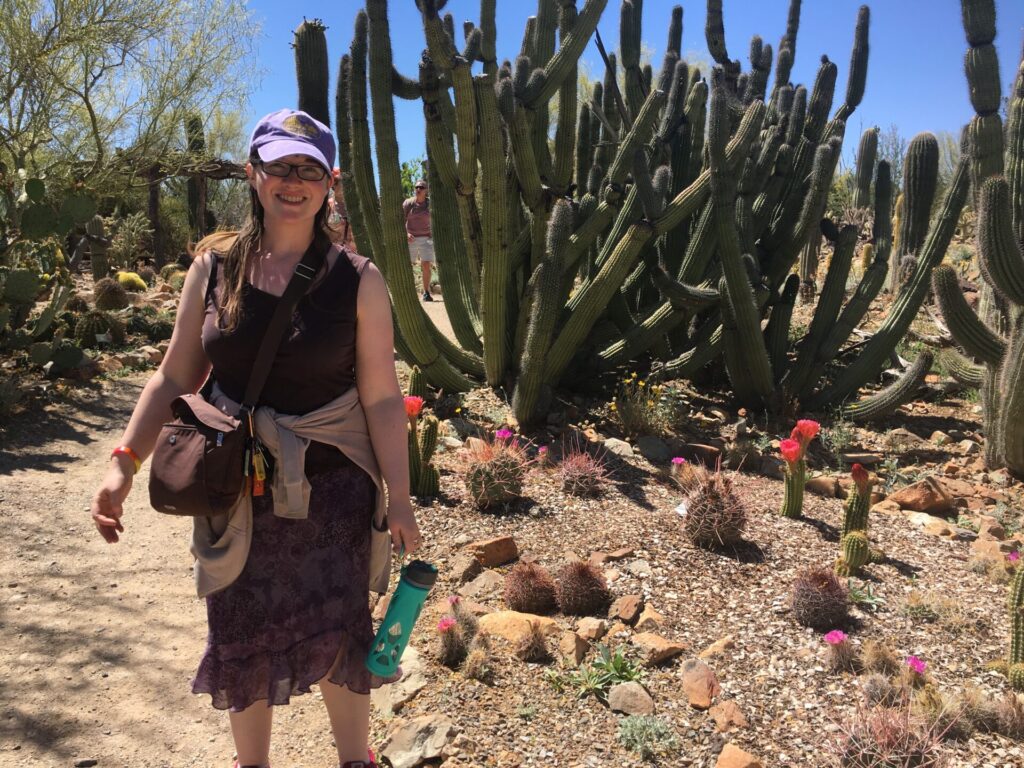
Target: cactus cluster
(582,590)
(660,222)
(855,549)
(819,600)
(494,470)
(424,479)
(530,588)
(109,294)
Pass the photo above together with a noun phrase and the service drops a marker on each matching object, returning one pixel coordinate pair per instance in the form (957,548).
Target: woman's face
(289,199)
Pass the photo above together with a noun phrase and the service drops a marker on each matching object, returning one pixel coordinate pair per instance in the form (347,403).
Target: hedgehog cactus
(855,517)
(1016,607)
(417,383)
(856,553)
(424,479)
(529,588)
(494,471)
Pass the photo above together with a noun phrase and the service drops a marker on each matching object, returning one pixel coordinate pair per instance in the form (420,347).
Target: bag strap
(305,271)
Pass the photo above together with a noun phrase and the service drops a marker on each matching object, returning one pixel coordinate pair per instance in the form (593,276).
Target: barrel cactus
(582,590)
(131,282)
(715,514)
(530,588)
(109,294)
(494,470)
(99,327)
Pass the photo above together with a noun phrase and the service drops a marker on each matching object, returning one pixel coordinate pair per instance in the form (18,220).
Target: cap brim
(275,150)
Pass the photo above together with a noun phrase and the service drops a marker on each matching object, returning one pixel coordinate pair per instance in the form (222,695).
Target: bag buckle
(305,271)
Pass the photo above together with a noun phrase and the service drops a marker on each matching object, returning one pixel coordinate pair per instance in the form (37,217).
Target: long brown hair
(236,250)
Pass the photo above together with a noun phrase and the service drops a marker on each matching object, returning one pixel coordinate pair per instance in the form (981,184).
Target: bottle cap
(420,573)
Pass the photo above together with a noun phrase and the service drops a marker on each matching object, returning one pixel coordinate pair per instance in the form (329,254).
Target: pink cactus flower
(504,434)
(916,664)
(454,600)
(791,450)
(678,460)
(445,624)
(1013,557)
(836,637)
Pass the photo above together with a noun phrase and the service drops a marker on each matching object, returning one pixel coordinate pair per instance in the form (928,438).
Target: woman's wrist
(127,459)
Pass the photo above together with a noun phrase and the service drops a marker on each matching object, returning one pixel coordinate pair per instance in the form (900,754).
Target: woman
(297,613)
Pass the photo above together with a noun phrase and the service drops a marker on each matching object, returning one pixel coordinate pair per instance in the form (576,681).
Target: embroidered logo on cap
(301,125)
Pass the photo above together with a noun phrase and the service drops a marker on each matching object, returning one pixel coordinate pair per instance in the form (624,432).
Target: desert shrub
(582,473)
(979,710)
(531,589)
(494,470)
(582,590)
(1010,716)
(131,282)
(648,736)
(534,646)
(109,294)
(641,408)
(715,516)
(819,599)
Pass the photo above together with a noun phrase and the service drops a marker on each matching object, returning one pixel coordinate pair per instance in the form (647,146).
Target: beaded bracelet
(127,451)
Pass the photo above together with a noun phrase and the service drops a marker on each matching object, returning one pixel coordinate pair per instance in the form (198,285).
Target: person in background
(337,215)
(417,228)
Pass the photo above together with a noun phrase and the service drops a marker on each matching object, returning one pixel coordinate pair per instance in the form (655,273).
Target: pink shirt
(417,217)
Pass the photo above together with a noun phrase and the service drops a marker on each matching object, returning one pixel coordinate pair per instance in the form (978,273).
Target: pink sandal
(361,763)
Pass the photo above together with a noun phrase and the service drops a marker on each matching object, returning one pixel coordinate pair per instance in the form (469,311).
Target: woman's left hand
(402,524)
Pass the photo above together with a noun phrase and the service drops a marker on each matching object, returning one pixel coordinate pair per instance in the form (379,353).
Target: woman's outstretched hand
(106,503)
(402,524)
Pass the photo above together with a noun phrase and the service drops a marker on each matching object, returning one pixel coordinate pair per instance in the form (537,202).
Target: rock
(389,699)
(639,568)
(627,608)
(449,443)
(940,438)
(654,449)
(708,455)
(465,567)
(969,447)
(152,354)
(649,620)
(699,683)
(938,528)
(591,629)
(718,647)
(631,698)
(823,486)
(572,648)
(485,585)
(928,495)
(600,558)
(109,364)
(990,550)
(514,626)
(655,648)
(620,554)
(86,762)
(496,551)
(888,506)
(951,469)
(410,743)
(990,528)
(905,440)
(463,428)
(734,757)
(862,458)
(618,447)
(728,716)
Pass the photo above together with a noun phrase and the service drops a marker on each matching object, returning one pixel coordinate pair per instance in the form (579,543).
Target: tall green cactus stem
(776,333)
(417,383)
(856,553)
(887,400)
(528,399)
(920,181)
(793,489)
(196,184)
(855,512)
(963,370)
(867,152)
(975,337)
(312,69)
(424,478)
(98,261)
(1015,152)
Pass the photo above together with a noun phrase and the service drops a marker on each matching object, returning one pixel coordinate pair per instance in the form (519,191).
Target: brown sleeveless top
(316,360)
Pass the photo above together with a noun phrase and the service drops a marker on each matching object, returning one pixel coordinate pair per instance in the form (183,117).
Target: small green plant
(596,678)
(864,596)
(648,736)
(972,396)
(838,436)
(617,666)
(527,711)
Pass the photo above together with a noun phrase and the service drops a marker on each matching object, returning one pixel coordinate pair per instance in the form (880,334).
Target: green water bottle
(406,603)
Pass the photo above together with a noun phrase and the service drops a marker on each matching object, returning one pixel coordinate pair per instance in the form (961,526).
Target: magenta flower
(542,451)
(454,600)
(1013,557)
(678,460)
(503,434)
(445,624)
(836,637)
(916,664)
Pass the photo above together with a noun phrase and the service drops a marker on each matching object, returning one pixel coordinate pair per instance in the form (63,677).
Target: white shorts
(421,249)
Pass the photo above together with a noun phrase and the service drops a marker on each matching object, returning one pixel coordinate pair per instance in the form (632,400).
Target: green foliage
(132,235)
(411,171)
(596,678)
(864,596)
(648,736)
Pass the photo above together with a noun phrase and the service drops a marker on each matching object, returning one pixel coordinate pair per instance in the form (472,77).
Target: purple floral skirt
(300,607)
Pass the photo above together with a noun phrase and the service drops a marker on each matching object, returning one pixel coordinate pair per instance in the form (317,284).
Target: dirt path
(100,642)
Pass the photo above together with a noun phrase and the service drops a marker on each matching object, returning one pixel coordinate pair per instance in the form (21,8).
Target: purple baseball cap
(292,132)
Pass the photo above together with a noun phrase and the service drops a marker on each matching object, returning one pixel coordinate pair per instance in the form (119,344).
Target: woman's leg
(350,720)
(250,729)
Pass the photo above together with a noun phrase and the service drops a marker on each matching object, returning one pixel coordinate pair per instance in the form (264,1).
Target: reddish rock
(649,620)
(888,506)
(514,626)
(655,649)
(592,629)
(573,648)
(951,469)
(627,608)
(496,551)
(728,716)
(928,495)
(699,683)
(718,647)
(465,567)
(734,757)
(620,554)
(823,486)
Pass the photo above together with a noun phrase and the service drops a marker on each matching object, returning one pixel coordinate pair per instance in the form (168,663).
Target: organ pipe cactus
(661,209)
(867,152)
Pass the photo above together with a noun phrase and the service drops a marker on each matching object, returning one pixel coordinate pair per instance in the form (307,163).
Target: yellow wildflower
(614,407)
(458,410)
(640,383)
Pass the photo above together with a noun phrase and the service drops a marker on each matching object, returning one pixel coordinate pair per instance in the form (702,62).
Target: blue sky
(915,74)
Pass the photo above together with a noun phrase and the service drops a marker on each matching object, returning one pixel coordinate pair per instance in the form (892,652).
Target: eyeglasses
(419,188)
(284,170)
